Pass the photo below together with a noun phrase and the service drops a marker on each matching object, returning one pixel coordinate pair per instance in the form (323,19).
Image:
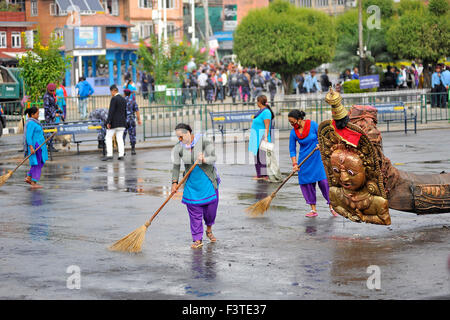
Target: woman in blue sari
(33,138)
(261,130)
(312,171)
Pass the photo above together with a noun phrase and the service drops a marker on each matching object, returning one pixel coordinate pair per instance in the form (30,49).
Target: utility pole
(165,20)
(159,21)
(193,22)
(361,42)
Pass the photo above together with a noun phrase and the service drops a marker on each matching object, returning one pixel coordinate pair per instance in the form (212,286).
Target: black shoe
(120,158)
(106,158)
(133,150)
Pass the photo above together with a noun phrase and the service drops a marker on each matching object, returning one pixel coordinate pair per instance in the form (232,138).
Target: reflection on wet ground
(87,204)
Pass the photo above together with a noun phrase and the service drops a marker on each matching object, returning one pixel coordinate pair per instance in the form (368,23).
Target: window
(124,35)
(2,39)
(145,4)
(56,11)
(170,4)
(19,4)
(15,40)
(111,7)
(321,3)
(59,33)
(341,2)
(145,30)
(172,30)
(305,3)
(34,8)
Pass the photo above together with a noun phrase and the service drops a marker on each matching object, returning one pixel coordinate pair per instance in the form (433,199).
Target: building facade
(14,36)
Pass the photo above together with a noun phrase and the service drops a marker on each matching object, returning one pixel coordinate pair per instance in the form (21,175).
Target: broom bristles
(5,178)
(260,207)
(132,242)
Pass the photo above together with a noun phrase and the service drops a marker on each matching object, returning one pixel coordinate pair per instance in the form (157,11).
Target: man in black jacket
(115,123)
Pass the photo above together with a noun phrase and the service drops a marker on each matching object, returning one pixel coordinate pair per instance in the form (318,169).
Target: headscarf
(51,87)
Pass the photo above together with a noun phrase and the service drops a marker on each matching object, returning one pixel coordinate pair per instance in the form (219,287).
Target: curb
(10,131)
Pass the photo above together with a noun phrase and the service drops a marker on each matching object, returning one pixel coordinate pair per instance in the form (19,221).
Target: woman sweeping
(312,171)
(33,138)
(201,193)
(261,130)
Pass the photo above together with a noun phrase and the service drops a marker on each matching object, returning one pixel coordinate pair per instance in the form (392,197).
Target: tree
(43,65)
(419,34)
(164,60)
(347,45)
(386,7)
(438,7)
(285,39)
(408,5)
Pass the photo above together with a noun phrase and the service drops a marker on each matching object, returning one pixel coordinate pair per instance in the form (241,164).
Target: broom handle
(293,172)
(34,151)
(172,193)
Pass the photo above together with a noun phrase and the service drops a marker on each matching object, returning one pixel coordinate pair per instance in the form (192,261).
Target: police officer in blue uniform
(132,112)
(258,85)
(100,114)
(233,83)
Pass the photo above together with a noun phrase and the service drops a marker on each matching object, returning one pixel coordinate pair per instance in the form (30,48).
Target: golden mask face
(348,169)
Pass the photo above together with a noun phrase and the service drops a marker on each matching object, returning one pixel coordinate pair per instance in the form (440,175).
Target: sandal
(211,237)
(27,180)
(312,213)
(197,244)
(334,213)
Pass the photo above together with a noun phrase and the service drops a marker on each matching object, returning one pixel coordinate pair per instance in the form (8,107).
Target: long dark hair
(263,100)
(297,114)
(31,111)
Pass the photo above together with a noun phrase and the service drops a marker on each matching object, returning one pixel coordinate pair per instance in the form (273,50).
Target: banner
(369,82)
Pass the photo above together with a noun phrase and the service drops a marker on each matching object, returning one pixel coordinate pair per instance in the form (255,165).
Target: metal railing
(162,111)
(159,121)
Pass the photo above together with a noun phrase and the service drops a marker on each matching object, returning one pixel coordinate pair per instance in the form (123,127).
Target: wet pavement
(87,204)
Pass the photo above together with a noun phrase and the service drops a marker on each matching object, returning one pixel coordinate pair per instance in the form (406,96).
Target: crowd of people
(211,83)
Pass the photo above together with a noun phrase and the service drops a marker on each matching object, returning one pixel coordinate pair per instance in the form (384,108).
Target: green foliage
(419,35)
(348,44)
(409,5)
(438,7)
(43,65)
(386,7)
(353,87)
(163,61)
(285,39)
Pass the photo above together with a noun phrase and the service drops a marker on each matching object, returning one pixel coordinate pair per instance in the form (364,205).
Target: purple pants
(199,212)
(260,164)
(309,191)
(35,171)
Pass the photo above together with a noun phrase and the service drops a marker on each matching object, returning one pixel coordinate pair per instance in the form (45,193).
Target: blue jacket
(84,89)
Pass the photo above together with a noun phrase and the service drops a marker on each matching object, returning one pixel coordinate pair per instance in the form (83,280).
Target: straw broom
(5,177)
(133,242)
(263,205)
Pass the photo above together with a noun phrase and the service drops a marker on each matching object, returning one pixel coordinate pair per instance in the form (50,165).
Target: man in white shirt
(202,83)
(403,73)
(224,82)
